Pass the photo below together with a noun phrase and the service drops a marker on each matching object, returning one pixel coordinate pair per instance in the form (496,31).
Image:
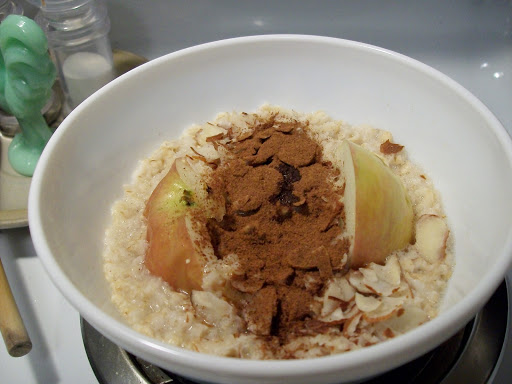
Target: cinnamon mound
(283,222)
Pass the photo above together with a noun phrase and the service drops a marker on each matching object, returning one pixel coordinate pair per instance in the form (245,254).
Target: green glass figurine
(26,78)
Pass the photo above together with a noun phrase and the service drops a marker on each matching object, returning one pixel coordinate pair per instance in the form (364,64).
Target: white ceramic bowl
(460,144)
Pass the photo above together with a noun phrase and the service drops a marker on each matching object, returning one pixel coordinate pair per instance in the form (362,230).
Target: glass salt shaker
(77,32)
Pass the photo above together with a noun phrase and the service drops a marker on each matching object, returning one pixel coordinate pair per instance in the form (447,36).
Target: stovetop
(469,40)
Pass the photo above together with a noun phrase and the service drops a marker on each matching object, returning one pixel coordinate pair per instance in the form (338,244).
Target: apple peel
(378,211)
(172,253)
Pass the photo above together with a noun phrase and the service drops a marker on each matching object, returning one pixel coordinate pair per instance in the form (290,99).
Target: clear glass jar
(77,32)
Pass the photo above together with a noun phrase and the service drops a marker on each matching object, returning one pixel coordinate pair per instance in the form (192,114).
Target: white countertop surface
(469,40)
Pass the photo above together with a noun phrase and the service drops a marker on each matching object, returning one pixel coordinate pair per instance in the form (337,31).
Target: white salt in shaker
(77,32)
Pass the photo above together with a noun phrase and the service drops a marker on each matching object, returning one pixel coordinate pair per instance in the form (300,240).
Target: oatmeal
(262,261)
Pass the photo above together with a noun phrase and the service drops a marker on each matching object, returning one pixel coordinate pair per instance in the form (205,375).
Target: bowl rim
(427,335)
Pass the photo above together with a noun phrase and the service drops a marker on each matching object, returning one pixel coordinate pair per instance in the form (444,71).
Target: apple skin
(378,212)
(171,254)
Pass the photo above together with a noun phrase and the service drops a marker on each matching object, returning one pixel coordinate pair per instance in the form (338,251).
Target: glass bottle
(77,32)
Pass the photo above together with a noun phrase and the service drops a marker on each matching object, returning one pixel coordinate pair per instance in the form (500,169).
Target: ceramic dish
(461,145)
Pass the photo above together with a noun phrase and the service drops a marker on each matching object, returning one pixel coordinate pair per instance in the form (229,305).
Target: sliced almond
(367,303)
(388,306)
(209,132)
(215,311)
(351,310)
(369,275)
(335,315)
(329,306)
(403,290)
(338,292)
(389,272)
(350,326)
(431,237)
(357,280)
(377,286)
(405,319)
(341,289)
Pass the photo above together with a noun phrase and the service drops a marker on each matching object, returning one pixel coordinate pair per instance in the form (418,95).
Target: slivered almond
(367,303)
(431,237)
(356,279)
(340,289)
(390,272)
(406,318)
(388,306)
(351,324)
(351,310)
(337,295)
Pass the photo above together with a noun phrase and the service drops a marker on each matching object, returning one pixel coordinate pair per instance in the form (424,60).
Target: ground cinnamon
(282,220)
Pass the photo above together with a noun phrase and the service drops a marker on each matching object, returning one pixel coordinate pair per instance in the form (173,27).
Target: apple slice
(378,212)
(171,253)
(431,237)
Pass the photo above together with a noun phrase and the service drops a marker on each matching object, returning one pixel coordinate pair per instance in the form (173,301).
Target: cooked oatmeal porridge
(252,236)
